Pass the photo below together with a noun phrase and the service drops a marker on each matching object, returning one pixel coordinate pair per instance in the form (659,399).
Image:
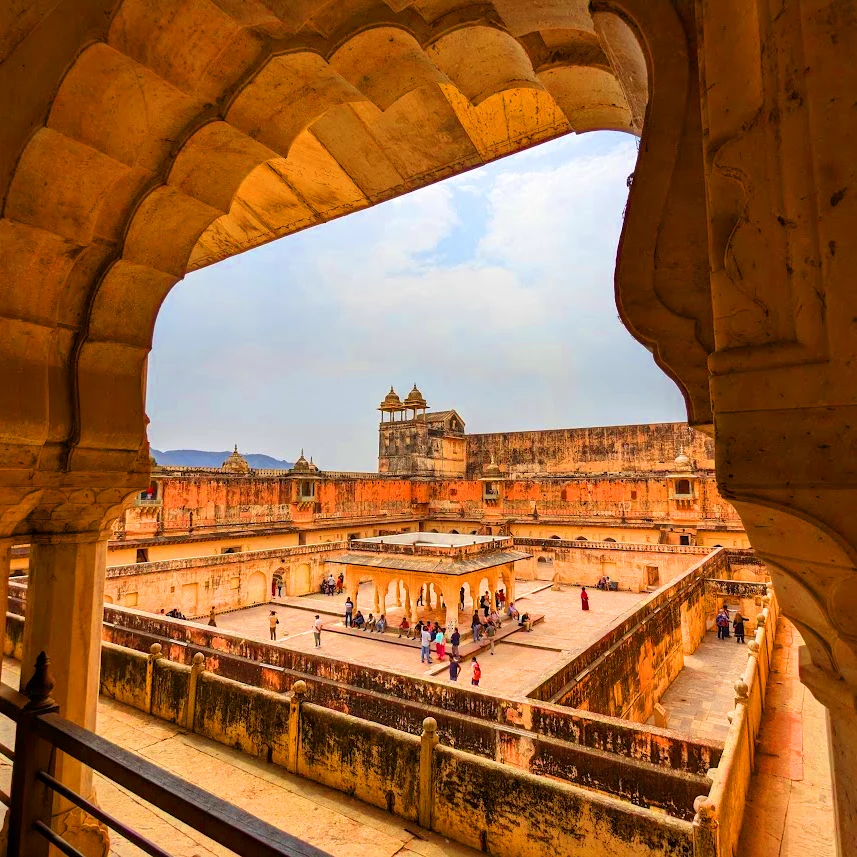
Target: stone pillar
(840,700)
(65,603)
(376,600)
(5,563)
(428,741)
(450,596)
(382,598)
(352,585)
(398,593)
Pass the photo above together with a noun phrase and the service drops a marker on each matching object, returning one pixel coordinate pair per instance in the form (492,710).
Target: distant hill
(203,458)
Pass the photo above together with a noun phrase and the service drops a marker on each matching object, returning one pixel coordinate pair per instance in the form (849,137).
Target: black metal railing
(40,732)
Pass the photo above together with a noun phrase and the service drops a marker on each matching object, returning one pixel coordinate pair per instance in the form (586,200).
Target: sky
(492,291)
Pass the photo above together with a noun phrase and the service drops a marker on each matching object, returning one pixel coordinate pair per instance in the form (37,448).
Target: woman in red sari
(584,599)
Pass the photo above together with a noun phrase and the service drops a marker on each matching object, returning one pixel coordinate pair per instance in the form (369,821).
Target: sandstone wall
(635,569)
(605,449)
(488,807)
(628,669)
(224,581)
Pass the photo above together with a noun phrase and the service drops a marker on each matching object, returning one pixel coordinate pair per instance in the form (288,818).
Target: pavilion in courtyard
(437,564)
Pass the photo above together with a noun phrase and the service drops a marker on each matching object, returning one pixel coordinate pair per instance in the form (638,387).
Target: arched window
(581,539)
(558,538)
(608,539)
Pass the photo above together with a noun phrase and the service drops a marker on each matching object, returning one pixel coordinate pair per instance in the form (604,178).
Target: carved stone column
(65,602)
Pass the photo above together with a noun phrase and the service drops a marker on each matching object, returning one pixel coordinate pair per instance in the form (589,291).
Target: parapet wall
(439,787)
(626,671)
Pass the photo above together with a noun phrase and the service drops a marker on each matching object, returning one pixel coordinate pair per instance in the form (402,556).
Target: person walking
(273,621)
(316,631)
(476,673)
(331,585)
(722,625)
(425,646)
(476,626)
(420,599)
(461,598)
(211,619)
(455,639)
(280,587)
(349,610)
(584,599)
(738,626)
(454,669)
(490,631)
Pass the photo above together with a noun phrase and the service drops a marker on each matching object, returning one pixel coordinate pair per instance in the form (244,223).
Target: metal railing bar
(55,839)
(8,752)
(97,812)
(232,827)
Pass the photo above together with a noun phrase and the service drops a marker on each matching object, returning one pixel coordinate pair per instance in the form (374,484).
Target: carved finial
(741,690)
(236,448)
(706,811)
(39,687)
(429,725)
(299,687)
(198,659)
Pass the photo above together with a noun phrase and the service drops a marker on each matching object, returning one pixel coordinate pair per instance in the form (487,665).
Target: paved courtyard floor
(698,701)
(516,665)
(330,820)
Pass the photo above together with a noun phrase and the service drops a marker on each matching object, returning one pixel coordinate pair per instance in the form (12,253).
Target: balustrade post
(155,654)
(705,828)
(197,667)
(297,698)
(30,799)
(428,741)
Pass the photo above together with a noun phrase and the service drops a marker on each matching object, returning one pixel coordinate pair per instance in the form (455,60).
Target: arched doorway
(301,580)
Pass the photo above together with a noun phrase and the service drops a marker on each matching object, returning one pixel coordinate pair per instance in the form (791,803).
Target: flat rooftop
(443,540)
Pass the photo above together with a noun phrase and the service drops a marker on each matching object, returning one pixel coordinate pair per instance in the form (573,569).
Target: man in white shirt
(316,631)
(425,646)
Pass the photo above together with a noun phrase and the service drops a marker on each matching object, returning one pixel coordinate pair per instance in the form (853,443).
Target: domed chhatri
(236,463)
(391,405)
(682,462)
(492,470)
(302,466)
(391,402)
(415,399)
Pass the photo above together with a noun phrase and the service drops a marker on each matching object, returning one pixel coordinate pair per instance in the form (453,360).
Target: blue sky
(492,291)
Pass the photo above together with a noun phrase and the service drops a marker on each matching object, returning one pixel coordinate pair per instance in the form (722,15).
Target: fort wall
(603,449)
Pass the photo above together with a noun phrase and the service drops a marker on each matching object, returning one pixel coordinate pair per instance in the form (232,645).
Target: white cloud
(493,291)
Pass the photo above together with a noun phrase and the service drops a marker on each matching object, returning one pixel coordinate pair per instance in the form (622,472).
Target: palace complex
(142,140)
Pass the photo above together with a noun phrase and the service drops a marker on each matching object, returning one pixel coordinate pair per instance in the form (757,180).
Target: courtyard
(515,667)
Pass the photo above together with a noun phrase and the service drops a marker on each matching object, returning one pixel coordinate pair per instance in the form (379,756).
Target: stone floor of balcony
(330,820)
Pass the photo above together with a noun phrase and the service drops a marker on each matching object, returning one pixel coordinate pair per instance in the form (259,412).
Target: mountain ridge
(208,458)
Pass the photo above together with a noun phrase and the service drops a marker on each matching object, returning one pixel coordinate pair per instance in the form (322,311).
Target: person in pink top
(440,644)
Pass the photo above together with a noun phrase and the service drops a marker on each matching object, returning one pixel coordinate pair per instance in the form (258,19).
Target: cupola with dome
(236,463)
(391,405)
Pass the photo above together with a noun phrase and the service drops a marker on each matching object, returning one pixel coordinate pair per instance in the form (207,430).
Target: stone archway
(137,155)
